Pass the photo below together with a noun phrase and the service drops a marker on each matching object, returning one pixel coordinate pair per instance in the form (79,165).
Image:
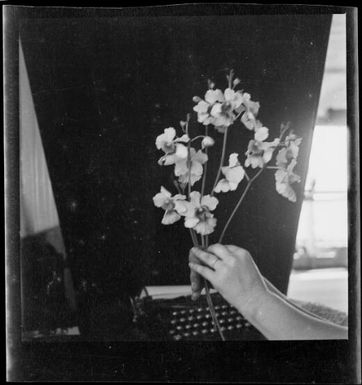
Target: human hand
(232,272)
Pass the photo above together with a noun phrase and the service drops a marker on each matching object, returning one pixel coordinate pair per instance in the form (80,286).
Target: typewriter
(182,319)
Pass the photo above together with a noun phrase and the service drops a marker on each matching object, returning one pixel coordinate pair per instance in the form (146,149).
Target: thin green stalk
(212,310)
(221,160)
(205,167)
(250,182)
(205,244)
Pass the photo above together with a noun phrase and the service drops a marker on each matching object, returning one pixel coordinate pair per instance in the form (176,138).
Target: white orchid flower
(194,173)
(198,215)
(234,174)
(171,146)
(174,206)
(284,177)
(260,153)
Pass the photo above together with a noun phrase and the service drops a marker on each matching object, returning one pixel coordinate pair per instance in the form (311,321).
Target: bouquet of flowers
(220,110)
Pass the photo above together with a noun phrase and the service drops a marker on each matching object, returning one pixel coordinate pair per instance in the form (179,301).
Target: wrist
(254,305)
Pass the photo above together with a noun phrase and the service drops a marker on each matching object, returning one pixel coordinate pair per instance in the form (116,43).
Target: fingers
(221,252)
(209,259)
(195,279)
(206,272)
(237,251)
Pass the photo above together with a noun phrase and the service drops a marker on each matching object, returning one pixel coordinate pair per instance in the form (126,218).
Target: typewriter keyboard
(183,319)
(197,322)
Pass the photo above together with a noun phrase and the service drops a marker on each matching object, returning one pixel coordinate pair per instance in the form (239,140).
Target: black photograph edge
(264,361)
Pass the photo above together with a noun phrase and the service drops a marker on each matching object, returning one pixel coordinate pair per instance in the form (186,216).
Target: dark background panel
(104,88)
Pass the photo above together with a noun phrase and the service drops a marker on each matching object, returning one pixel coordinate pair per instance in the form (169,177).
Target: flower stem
(221,160)
(205,244)
(212,310)
(205,167)
(194,238)
(188,158)
(250,182)
(197,137)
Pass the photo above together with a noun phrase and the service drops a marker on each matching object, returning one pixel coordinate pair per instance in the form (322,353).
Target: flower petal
(216,110)
(229,94)
(199,156)
(181,151)
(201,107)
(181,167)
(213,96)
(207,141)
(233,159)
(248,121)
(184,138)
(160,199)
(268,153)
(222,186)
(181,207)
(261,134)
(196,169)
(170,216)
(286,191)
(233,186)
(165,192)
(206,227)
(195,197)
(169,159)
(191,222)
(209,201)
(235,174)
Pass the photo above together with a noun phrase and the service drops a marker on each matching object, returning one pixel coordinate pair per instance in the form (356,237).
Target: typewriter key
(177,337)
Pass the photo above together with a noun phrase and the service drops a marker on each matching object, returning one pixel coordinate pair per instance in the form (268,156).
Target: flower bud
(208,141)
(182,124)
(196,99)
(210,84)
(236,82)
